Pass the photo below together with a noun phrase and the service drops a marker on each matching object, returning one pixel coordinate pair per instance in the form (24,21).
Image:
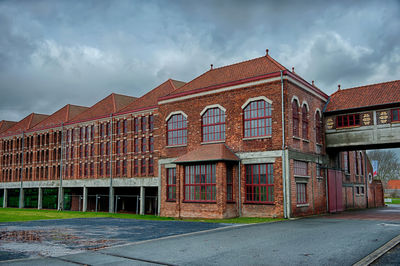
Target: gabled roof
(109,105)
(209,152)
(63,115)
(364,96)
(243,70)
(4,125)
(26,123)
(393,184)
(150,99)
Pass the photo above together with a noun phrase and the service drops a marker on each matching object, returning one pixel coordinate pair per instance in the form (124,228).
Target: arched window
(295,118)
(177,130)
(304,118)
(213,125)
(318,128)
(257,119)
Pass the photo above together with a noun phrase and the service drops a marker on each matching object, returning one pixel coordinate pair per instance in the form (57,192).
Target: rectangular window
(136,125)
(151,167)
(101,170)
(124,167)
(85,169)
(151,144)
(92,150)
(117,168)
(346,162)
(396,115)
(143,170)
(87,133)
(259,183)
(347,120)
(144,123)
(86,151)
(102,130)
(101,149)
(107,168)
(300,168)
(80,169)
(118,147)
(144,145)
(72,170)
(136,145)
(125,126)
(229,184)
(119,127)
(135,167)
(151,122)
(301,191)
(92,132)
(200,184)
(125,146)
(108,148)
(171,184)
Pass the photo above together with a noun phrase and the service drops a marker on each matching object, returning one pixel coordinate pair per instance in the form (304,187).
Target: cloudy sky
(58,52)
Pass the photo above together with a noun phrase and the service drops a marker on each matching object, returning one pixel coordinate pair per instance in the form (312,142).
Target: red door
(335,196)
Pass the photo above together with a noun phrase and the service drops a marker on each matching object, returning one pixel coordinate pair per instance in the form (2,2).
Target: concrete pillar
(40,198)
(111,200)
(21,198)
(5,198)
(60,202)
(85,198)
(142,200)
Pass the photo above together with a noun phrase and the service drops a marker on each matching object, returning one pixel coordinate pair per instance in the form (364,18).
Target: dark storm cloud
(58,52)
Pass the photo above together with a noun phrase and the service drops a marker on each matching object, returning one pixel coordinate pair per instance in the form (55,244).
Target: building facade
(241,140)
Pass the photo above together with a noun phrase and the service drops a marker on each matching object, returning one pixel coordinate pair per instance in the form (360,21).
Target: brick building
(241,140)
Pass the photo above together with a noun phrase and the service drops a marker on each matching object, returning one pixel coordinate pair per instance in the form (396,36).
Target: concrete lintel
(166,160)
(315,158)
(258,160)
(257,155)
(117,182)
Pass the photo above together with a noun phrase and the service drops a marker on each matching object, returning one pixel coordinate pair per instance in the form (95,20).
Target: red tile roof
(109,105)
(393,184)
(4,125)
(27,123)
(364,96)
(208,152)
(150,99)
(243,70)
(63,115)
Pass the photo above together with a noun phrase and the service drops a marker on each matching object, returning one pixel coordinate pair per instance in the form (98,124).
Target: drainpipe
(21,191)
(366,178)
(284,177)
(60,189)
(240,190)
(111,192)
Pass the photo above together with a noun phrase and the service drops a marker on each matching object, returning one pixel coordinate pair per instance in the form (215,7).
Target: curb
(379,252)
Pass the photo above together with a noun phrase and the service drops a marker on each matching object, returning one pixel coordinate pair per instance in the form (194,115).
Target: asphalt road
(312,241)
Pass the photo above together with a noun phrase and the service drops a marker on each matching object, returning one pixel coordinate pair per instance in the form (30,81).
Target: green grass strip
(20,215)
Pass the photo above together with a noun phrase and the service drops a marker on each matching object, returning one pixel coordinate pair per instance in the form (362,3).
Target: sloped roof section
(393,184)
(209,152)
(63,115)
(5,125)
(25,124)
(364,96)
(109,105)
(150,99)
(243,70)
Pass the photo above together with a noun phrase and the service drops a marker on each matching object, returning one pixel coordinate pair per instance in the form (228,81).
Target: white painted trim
(297,99)
(176,113)
(258,160)
(307,106)
(212,106)
(260,154)
(256,99)
(318,111)
(306,88)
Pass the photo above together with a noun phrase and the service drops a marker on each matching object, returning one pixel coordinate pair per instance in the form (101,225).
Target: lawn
(20,215)
(395,201)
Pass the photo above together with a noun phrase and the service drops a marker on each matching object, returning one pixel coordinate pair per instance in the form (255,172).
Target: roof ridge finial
(266,52)
(338,87)
(211,67)
(312,82)
(293,69)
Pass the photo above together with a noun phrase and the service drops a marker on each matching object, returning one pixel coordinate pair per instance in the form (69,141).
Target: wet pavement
(53,238)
